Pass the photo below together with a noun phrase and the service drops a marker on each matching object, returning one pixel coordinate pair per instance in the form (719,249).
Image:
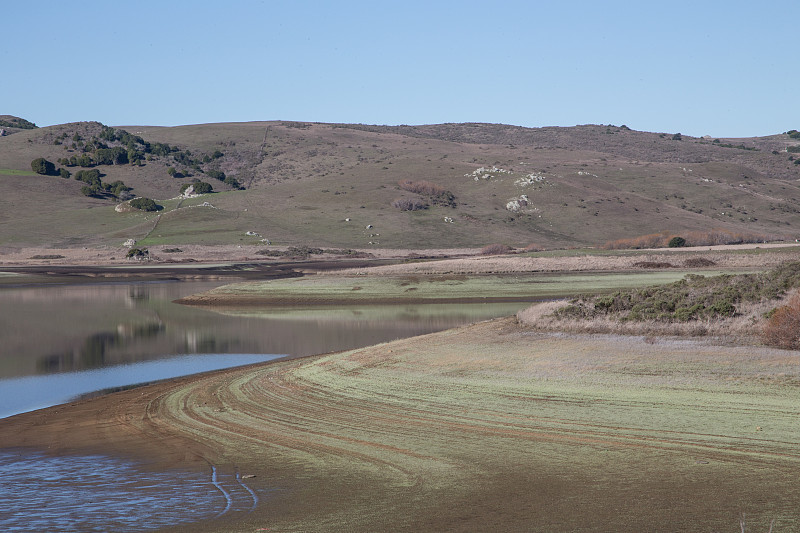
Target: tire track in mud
(285,409)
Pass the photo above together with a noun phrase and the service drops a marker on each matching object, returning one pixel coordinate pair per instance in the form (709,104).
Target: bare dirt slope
(471,428)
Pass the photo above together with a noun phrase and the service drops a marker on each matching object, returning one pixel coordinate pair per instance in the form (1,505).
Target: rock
(129,243)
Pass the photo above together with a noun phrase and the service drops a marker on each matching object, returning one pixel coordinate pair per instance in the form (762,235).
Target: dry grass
(693,238)
(581,262)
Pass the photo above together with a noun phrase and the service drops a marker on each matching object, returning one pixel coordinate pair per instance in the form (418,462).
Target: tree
(64,173)
(171,171)
(676,242)
(144,204)
(40,165)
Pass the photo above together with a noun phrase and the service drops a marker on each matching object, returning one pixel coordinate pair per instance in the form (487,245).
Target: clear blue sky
(726,68)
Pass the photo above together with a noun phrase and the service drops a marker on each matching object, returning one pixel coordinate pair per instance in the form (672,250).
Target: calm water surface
(58,342)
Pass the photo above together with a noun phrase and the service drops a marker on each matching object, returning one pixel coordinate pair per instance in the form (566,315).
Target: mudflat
(482,428)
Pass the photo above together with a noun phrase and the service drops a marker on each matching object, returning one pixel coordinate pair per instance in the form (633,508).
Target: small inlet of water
(98,494)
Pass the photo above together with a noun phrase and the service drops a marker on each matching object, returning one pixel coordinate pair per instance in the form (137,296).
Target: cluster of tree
(794,134)
(83,160)
(42,166)
(96,187)
(16,122)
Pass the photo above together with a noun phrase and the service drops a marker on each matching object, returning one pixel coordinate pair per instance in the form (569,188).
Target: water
(34,392)
(99,493)
(58,342)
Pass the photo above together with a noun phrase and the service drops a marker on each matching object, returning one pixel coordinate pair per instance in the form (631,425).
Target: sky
(725,68)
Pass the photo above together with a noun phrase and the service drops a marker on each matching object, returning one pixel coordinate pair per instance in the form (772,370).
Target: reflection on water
(97,493)
(69,328)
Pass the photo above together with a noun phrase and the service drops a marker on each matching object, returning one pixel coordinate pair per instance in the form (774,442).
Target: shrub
(233,182)
(698,262)
(409,204)
(201,187)
(676,242)
(64,173)
(40,165)
(438,194)
(144,204)
(216,174)
(90,177)
(535,247)
(677,137)
(692,298)
(496,249)
(783,325)
(653,264)
(137,253)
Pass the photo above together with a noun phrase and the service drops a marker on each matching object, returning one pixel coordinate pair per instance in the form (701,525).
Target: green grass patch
(358,289)
(14,172)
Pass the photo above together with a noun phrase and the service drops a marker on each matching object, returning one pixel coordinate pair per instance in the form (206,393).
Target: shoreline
(339,455)
(465,428)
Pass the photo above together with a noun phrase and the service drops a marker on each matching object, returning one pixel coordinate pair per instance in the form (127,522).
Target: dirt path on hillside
(470,428)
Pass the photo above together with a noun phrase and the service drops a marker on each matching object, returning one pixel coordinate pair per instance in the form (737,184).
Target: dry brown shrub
(693,238)
(409,204)
(496,249)
(532,247)
(426,188)
(783,327)
(652,264)
(698,262)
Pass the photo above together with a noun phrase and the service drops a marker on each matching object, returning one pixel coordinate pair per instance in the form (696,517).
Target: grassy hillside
(555,187)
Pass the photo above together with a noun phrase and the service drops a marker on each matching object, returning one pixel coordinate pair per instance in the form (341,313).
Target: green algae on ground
(500,287)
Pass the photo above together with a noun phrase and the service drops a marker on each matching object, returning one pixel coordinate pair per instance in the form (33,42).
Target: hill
(361,186)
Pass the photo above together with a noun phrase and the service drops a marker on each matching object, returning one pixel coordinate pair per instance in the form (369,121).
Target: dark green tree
(40,165)
(144,204)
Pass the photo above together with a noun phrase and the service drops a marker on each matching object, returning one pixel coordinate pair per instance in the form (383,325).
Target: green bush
(40,165)
(676,242)
(233,182)
(137,253)
(144,204)
(692,298)
(64,173)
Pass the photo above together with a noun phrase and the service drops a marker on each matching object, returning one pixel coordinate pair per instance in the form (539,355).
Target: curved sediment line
(228,499)
(248,489)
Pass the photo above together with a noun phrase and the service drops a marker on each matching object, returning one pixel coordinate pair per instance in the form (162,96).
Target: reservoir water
(61,341)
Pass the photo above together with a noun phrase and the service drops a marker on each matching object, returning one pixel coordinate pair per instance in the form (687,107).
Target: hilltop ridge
(326,184)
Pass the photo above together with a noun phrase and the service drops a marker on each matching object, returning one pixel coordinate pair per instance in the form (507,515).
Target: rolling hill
(340,185)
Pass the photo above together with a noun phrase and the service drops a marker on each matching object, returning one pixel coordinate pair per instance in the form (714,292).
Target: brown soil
(475,429)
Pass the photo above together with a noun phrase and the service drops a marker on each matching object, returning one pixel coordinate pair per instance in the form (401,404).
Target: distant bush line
(114,146)
(303,252)
(691,238)
(692,298)
(20,123)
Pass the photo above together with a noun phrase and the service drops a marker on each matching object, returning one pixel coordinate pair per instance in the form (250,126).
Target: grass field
(338,289)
